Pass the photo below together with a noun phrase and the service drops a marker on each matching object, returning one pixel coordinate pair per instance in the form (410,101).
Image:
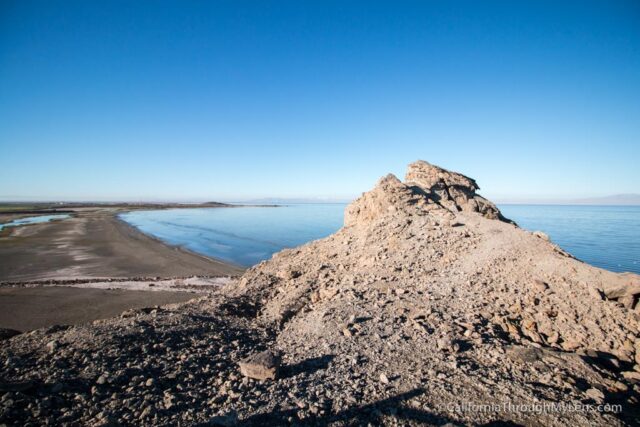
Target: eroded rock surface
(450,189)
(426,301)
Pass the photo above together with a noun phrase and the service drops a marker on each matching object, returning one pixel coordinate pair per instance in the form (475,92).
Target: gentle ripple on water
(241,235)
(604,236)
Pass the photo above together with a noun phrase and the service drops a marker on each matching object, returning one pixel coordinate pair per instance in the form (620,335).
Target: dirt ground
(25,309)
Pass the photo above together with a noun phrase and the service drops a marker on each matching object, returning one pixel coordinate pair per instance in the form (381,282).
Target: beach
(95,243)
(92,244)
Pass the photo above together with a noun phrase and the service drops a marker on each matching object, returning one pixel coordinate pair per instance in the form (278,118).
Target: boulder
(452,190)
(261,366)
(623,288)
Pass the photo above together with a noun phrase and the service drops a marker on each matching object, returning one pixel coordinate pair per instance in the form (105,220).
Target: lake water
(33,220)
(242,235)
(605,236)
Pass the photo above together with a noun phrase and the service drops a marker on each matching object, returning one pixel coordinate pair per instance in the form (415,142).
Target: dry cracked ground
(425,306)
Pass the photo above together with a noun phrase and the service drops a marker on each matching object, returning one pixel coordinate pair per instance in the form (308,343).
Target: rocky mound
(428,188)
(430,285)
(427,307)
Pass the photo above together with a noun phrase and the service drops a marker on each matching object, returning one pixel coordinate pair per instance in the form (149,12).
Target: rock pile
(428,307)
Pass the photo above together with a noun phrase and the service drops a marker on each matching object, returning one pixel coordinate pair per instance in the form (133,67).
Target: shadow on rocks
(307,366)
(501,424)
(356,415)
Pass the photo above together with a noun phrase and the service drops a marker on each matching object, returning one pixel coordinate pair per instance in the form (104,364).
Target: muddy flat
(25,309)
(95,243)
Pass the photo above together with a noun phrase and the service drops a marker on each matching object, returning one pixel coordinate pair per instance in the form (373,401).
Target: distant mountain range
(285,201)
(616,199)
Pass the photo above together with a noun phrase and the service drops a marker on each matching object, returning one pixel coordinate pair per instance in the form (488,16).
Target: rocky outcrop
(390,196)
(428,276)
(450,189)
(427,189)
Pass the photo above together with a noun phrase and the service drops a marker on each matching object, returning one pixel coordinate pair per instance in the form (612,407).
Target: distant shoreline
(564,204)
(70,207)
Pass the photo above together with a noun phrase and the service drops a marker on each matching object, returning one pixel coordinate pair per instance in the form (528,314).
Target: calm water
(605,236)
(244,236)
(33,220)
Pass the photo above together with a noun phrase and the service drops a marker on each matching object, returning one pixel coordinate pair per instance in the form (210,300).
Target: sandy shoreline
(91,247)
(95,243)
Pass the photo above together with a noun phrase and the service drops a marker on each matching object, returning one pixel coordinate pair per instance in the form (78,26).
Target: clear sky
(228,100)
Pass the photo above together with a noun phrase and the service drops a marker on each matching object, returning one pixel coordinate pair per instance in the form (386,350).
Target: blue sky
(228,100)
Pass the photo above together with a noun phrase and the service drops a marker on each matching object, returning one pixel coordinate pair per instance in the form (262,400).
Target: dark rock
(261,366)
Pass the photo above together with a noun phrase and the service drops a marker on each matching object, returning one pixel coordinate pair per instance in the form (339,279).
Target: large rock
(261,366)
(621,289)
(450,189)
(427,189)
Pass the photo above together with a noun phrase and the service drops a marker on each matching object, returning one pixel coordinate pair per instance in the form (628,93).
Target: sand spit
(95,243)
(427,304)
